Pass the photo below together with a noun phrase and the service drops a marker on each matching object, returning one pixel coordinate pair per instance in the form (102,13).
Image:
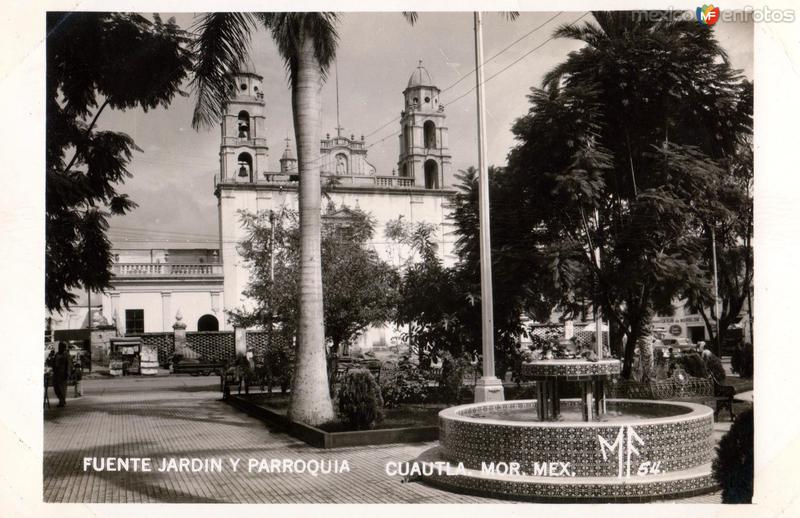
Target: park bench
(706,390)
(723,397)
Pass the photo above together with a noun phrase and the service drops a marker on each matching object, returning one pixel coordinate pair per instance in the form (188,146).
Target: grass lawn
(404,416)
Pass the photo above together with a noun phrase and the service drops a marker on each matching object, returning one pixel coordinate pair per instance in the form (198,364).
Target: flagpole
(488,388)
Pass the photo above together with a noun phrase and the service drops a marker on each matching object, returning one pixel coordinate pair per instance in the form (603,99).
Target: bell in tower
(424,153)
(243,149)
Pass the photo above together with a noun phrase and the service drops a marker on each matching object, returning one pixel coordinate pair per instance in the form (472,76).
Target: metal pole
(716,291)
(598,322)
(271,253)
(488,388)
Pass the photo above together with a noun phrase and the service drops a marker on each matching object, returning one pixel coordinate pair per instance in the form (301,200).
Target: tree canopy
(97,60)
(625,151)
(359,287)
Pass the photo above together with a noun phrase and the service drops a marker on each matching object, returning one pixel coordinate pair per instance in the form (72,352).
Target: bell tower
(243,150)
(424,153)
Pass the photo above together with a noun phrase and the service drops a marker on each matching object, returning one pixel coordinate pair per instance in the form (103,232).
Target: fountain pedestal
(590,375)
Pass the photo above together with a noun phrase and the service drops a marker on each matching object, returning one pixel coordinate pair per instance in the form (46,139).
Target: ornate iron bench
(686,387)
(723,396)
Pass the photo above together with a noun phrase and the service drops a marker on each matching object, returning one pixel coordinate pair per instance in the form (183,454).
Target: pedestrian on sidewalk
(62,367)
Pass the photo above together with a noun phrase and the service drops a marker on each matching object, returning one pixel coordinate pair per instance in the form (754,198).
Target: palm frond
(552,79)
(588,33)
(223,42)
(289,31)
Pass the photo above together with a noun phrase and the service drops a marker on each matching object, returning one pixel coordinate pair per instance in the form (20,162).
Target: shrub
(742,360)
(407,385)
(733,467)
(714,367)
(694,366)
(279,360)
(453,371)
(359,399)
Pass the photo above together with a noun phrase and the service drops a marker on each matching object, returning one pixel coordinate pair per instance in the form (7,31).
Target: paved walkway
(183,417)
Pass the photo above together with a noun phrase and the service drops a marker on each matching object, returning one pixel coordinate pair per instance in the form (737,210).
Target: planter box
(322,439)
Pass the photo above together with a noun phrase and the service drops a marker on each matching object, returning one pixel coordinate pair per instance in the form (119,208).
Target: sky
(173,175)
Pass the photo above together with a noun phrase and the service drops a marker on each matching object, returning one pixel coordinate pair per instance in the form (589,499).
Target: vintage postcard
(407,256)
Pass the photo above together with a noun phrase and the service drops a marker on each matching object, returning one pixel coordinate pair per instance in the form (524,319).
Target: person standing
(62,367)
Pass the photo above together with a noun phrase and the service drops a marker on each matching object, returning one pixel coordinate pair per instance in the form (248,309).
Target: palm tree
(307,44)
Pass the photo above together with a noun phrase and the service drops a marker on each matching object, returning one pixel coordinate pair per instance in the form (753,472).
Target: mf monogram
(625,446)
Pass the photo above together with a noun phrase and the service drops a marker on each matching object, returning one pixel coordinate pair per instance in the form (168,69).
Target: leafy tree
(513,299)
(94,61)
(623,152)
(732,227)
(430,300)
(442,305)
(359,287)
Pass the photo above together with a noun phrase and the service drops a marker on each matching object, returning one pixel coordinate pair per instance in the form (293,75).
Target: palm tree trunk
(310,399)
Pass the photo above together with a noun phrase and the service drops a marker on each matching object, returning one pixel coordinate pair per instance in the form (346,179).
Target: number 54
(648,468)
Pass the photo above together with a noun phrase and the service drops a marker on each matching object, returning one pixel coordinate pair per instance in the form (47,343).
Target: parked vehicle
(678,346)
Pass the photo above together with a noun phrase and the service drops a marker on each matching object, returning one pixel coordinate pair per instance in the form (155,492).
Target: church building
(420,190)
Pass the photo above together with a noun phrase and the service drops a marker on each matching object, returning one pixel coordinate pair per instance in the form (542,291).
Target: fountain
(591,449)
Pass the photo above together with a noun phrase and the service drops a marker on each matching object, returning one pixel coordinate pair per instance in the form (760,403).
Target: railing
(332,142)
(166,269)
(393,181)
(291,179)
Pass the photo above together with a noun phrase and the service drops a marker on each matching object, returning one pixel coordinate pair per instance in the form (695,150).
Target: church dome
(288,153)
(420,77)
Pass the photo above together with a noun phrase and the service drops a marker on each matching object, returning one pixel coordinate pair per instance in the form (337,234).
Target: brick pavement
(183,417)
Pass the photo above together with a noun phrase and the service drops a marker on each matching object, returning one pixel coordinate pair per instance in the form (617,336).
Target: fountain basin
(641,450)
(678,436)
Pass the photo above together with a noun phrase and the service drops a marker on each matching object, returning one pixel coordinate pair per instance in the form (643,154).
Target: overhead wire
(456,99)
(466,75)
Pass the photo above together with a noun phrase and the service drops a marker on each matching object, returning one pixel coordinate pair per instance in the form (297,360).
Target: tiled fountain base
(651,450)
(679,484)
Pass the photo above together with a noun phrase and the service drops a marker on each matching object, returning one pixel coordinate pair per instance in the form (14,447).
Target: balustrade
(175,269)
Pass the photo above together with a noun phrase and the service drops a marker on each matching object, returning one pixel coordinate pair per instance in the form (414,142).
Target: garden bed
(405,424)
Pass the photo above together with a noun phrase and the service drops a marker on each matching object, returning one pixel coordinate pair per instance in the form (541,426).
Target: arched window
(245,165)
(429,130)
(208,323)
(244,125)
(431,174)
(404,171)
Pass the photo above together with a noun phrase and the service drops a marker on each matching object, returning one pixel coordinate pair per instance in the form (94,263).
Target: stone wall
(216,346)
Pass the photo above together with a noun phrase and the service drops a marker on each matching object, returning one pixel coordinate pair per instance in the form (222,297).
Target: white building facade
(421,191)
(151,286)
